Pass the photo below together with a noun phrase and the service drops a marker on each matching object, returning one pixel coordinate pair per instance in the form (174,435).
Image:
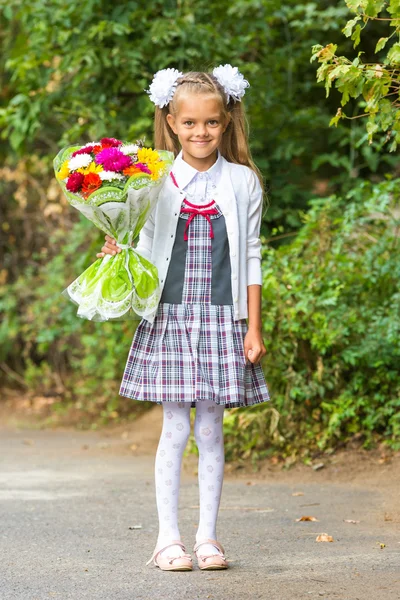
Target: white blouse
(199,186)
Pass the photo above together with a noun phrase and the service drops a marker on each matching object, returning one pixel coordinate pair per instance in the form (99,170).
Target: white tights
(174,436)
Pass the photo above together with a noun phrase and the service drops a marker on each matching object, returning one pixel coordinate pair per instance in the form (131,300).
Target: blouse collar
(185,173)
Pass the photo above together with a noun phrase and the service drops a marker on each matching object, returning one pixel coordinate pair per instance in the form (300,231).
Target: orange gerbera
(132,170)
(90,184)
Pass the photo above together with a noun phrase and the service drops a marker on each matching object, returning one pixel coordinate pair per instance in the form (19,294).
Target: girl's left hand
(254,348)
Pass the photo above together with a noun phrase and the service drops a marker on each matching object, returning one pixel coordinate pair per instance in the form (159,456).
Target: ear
(171,122)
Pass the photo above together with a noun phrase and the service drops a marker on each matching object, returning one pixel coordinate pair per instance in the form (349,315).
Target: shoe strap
(213,543)
(174,543)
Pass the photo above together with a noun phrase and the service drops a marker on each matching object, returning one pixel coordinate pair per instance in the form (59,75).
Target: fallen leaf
(318,466)
(324,537)
(381,545)
(350,521)
(250,483)
(135,527)
(387,517)
(298,494)
(307,519)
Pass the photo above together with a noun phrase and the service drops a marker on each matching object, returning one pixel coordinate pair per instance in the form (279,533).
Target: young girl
(197,350)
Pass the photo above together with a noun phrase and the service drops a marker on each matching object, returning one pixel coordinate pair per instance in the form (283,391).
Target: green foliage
(72,73)
(331,318)
(61,355)
(378,83)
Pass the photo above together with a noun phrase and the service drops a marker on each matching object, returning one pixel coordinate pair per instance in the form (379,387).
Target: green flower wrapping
(126,285)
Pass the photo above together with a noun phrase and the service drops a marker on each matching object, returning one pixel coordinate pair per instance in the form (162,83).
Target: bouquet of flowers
(116,186)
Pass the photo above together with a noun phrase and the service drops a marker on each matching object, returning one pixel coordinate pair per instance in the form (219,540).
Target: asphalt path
(78,521)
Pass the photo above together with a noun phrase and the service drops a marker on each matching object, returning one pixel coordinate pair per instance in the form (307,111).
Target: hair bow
(163,86)
(232,81)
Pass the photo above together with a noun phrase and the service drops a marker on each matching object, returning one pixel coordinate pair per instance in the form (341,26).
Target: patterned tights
(174,436)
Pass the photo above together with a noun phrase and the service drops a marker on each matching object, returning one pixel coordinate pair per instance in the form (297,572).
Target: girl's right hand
(110,247)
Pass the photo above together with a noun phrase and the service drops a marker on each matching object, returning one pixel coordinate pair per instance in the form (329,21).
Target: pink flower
(113,159)
(74,182)
(142,167)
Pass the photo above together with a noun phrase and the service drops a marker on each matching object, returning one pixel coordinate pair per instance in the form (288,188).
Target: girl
(197,349)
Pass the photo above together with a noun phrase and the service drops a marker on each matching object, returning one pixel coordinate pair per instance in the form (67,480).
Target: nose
(201,130)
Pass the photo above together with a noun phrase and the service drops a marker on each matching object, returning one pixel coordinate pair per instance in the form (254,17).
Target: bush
(58,354)
(331,318)
(331,323)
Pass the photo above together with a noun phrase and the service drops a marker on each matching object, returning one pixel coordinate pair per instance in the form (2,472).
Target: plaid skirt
(193,351)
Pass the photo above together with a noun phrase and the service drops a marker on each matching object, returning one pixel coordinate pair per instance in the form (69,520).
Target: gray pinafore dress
(193,350)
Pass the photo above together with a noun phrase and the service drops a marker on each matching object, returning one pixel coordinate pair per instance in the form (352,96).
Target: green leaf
(393,56)
(372,127)
(394,8)
(348,29)
(374,7)
(356,36)
(354,4)
(381,44)
(386,114)
(335,120)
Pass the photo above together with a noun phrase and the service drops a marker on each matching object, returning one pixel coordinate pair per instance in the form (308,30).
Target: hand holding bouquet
(116,186)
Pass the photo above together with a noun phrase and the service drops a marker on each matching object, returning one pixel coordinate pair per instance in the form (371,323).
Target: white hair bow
(232,81)
(162,89)
(163,86)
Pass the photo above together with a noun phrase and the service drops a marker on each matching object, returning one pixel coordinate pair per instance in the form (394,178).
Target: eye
(188,123)
(213,122)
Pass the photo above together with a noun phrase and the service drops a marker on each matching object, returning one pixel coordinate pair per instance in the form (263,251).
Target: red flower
(74,182)
(110,143)
(85,150)
(91,183)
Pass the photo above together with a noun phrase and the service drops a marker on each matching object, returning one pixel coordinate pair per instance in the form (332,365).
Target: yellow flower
(64,171)
(147,155)
(156,168)
(92,168)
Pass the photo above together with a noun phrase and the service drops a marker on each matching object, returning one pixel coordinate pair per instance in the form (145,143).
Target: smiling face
(199,123)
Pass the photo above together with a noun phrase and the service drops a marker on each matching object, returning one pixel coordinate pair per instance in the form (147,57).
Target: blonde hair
(234,146)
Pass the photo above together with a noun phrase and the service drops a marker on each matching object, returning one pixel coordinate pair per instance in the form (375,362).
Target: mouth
(200,142)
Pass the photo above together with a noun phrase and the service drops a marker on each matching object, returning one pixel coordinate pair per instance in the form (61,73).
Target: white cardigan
(239,196)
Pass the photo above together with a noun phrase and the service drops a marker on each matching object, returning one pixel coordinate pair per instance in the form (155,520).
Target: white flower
(162,89)
(232,81)
(79,161)
(110,175)
(90,144)
(129,149)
